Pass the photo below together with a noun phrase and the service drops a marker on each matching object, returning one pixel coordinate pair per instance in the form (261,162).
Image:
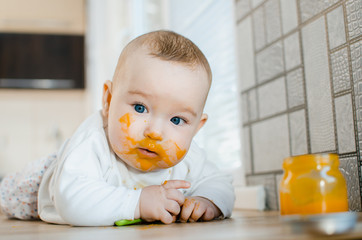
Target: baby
(135,158)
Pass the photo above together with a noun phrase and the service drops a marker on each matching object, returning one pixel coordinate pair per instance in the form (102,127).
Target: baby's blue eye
(176,120)
(139,108)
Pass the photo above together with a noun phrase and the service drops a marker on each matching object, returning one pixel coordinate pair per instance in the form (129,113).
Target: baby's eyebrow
(136,92)
(189,111)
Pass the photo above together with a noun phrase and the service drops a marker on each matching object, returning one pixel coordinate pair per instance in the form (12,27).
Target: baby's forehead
(131,63)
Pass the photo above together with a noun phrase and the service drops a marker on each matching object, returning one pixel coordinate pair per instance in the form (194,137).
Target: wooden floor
(243,225)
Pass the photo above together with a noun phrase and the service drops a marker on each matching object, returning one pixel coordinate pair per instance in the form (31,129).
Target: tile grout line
(334,114)
(307,125)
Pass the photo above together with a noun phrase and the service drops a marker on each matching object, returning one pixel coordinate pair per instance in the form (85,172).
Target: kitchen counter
(242,225)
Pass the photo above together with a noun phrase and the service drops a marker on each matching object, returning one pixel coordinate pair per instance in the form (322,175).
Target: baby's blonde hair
(168,46)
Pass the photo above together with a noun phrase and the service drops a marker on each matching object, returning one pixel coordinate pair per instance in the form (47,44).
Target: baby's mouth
(146,153)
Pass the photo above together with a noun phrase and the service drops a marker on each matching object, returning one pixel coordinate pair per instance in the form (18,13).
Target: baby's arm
(211,194)
(161,202)
(198,208)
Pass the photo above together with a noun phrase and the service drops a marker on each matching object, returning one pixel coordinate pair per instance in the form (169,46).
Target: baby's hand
(162,202)
(198,208)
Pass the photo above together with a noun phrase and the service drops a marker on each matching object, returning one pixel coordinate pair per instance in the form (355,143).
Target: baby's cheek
(126,133)
(121,143)
(175,153)
(180,153)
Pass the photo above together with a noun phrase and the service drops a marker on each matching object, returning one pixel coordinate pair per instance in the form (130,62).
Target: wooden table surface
(242,225)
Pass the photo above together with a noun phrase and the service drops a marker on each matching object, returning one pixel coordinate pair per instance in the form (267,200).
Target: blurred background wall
(304,92)
(33,122)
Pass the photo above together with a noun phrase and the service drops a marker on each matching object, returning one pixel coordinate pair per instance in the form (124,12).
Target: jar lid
(311,161)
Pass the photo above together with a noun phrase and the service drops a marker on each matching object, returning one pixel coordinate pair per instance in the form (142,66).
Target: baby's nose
(154,136)
(154,131)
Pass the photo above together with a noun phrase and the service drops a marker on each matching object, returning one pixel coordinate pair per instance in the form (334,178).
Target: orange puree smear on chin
(165,157)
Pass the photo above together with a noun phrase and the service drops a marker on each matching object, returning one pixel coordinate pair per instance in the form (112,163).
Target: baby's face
(155,111)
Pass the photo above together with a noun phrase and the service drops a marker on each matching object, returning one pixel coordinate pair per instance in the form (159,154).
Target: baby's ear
(106,99)
(202,122)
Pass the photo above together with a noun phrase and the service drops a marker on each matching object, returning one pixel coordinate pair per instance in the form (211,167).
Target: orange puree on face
(162,154)
(126,119)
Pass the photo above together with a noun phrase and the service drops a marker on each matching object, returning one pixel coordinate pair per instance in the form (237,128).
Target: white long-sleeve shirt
(89,186)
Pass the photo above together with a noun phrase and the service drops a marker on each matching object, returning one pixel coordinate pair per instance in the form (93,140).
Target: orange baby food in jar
(312,184)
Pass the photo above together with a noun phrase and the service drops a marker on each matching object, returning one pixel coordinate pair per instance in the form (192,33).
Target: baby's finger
(166,217)
(198,211)
(173,207)
(187,209)
(208,215)
(176,195)
(176,184)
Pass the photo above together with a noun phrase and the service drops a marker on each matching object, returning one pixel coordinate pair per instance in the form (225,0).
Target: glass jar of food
(312,184)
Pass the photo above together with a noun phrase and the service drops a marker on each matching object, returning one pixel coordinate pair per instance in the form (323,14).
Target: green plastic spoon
(127,222)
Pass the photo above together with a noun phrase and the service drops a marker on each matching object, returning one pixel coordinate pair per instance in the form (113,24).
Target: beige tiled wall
(34,122)
(301,86)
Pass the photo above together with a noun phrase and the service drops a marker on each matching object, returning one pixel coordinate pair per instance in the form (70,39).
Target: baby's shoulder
(94,123)
(195,152)
(90,132)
